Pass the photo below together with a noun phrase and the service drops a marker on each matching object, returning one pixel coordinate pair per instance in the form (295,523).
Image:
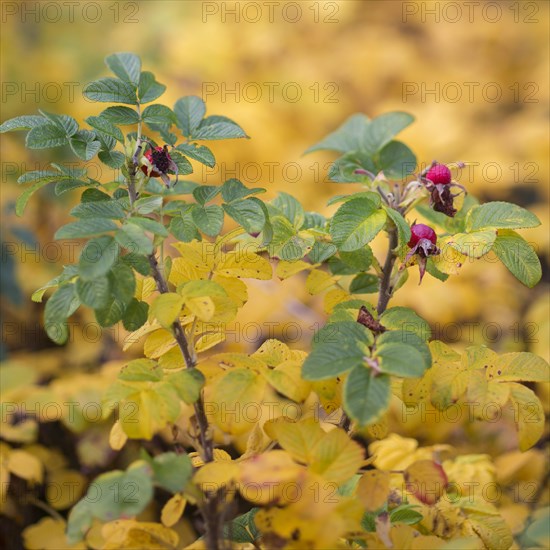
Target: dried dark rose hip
(159,163)
(438,182)
(366,319)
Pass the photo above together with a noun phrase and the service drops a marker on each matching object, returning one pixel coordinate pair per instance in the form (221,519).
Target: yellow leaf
(172,359)
(208,340)
(158,343)
(219,456)
(426,480)
(49,534)
(492,530)
(202,307)
(64,488)
(173,510)
(117,437)
(266,478)
(330,393)
(243,263)
(486,397)
(273,352)
(286,269)
(516,367)
(235,400)
(336,457)
(394,452)
(287,380)
(318,281)
(298,438)
(166,308)
(334,297)
(449,260)
(528,415)
(373,489)
(214,475)
(25,465)
(235,288)
(125,534)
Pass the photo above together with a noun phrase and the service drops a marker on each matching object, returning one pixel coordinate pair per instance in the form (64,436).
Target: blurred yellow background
(475,77)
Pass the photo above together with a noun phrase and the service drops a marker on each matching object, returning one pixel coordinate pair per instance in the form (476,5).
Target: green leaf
(359,260)
(409,339)
(500,215)
(120,115)
(233,190)
(65,185)
(99,209)
(94,293)
(184,228)
(111,314)
(46,136)
(34,175)
(23,199)
(366,395)
(123,282)
(364,283)
(218,127)
(134,239)
(138,262)
(85,228)
(146,205)
(23,122)
(84,144)
(339,347)
(188,383)
(383,128)
(405,514)
(400,360)
(106,126)
(171,471)
(201,153)
(149,89)
(135,315)
(396,160)
(189,112)
(348,137)
(290,208)
(61,305)
(518,256)
(158,114)
(120,494)
(356,223)
(113,159)
(149,225)
(247,213)
(97,257)
(65,123)
(205,193)
(343,170)
(127,66)
(406,320)
(209,219)
(111,90)
(184,166)
(403,228)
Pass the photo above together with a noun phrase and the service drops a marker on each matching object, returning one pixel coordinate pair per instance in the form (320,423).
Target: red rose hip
(439,173)
(420,231)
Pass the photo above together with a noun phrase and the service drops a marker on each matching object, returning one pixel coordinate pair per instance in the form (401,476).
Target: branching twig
(385,287)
